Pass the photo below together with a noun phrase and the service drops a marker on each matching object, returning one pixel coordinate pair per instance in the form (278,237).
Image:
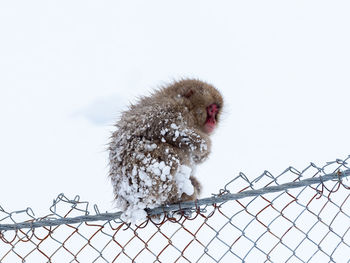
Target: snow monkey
(157,144)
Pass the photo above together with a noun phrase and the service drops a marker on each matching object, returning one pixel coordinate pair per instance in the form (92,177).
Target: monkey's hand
(195,142)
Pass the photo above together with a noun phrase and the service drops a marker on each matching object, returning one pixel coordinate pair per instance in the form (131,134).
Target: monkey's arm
(178,135)
(166,125)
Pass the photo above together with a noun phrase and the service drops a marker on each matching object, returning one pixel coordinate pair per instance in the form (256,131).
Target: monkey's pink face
(210,123)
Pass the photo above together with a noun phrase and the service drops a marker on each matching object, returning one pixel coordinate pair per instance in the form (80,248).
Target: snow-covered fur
(157,144)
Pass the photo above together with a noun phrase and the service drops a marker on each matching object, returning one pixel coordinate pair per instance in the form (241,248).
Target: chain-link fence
(297,216)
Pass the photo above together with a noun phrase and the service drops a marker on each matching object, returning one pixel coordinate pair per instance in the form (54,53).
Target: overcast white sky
(68,67)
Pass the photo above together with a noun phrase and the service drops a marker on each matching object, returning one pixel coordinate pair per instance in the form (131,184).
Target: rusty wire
(297,216)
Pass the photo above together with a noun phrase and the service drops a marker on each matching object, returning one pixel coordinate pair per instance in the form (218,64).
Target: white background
(68,67)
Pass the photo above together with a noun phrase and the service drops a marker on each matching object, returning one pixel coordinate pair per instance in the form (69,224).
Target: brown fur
(168,127)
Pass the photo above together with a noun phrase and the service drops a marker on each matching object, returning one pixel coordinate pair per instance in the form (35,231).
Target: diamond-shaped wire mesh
(297,216)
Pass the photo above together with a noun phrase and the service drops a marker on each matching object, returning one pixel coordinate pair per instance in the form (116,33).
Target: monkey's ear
(189,93)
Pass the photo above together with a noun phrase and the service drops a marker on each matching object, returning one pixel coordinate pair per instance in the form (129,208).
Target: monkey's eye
(212,110)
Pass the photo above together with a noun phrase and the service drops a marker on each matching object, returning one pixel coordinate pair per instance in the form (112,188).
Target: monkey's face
(205,103)
(212,118)
(207,117)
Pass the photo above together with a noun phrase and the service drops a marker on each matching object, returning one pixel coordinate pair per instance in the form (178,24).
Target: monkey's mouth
(210,125)
(210,128)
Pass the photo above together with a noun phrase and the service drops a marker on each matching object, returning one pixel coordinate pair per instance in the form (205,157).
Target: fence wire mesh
(297,216)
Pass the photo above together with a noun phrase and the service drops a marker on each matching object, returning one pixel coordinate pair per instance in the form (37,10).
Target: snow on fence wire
(297,216)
